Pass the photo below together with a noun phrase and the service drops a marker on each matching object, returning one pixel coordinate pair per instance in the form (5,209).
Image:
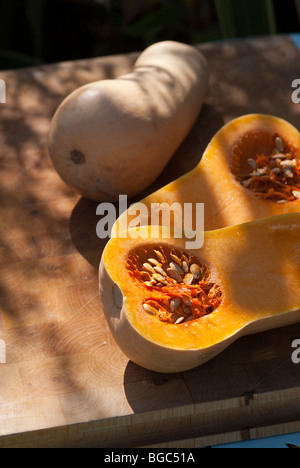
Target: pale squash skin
(226,201)
(114,137)
(257,266)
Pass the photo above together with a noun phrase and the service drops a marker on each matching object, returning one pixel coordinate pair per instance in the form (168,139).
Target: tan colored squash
(115,137)
(218,179)
(245,280)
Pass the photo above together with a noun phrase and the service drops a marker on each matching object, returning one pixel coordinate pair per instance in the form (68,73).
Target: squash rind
(242,258)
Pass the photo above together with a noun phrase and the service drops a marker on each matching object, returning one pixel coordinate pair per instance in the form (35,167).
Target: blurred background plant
(33,32)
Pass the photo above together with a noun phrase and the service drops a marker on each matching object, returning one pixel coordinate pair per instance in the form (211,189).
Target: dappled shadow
(222,395)
(50,315)
(50,312)
(242,81)
(83,223)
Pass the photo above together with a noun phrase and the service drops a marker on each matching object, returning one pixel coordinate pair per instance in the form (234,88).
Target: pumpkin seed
(176,267)
(159,255)
(148,267)
(188,279)
(175,304)
(279,143)
(196,271)
(160,271)
(180,320)
(149,309)
(172,273)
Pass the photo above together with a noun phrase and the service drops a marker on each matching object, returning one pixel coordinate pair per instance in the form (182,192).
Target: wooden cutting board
(63,380)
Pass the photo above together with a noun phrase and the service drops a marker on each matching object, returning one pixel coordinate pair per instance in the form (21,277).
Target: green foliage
(246,18)
(54,30)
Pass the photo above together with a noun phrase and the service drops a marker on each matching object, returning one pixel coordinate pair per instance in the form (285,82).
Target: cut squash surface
(250,170)
(170,309)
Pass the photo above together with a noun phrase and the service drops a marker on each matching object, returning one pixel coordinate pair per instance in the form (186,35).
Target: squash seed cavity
(178,288)
(268,166)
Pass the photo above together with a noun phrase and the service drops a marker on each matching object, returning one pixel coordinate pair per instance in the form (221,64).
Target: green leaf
(225,13)
(36,12)
(11,59)
(244,18)
(154,22)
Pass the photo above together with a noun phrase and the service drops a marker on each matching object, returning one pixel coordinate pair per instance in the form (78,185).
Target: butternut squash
(250,170)
(114,137)
(170,309)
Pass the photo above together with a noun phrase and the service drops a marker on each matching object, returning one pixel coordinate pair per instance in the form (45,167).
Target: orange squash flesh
(255,265)
(217,180)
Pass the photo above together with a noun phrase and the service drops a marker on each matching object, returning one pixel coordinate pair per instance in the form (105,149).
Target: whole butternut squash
(115,136)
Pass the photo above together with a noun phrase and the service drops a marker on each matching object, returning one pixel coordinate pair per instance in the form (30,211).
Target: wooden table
(63,381)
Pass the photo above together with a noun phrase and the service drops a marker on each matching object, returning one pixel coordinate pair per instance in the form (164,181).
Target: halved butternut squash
(171,309)
(250,170)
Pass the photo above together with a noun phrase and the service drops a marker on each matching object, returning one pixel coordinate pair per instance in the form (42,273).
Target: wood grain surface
(63,380)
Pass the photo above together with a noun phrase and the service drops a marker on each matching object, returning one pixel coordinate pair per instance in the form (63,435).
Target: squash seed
(172,273)
(188,279)
(185,266)
(279,143)
(160,271)
(281,202)
(187,300)
(276,170)
(185,259)
(176,267)
(159,255)
(288,164)
(176,259)
(148,267)
(189,318)
(175,304)
(296,194)
(180,320)
(278,156)
(246,183)
(153,262)
(252,163)
(288,173)
(196,271)
(158,278)
(187,311)
(149,284)
(149,309)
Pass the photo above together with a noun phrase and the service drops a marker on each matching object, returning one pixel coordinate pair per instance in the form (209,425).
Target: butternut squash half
(250,170)
(171,309)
